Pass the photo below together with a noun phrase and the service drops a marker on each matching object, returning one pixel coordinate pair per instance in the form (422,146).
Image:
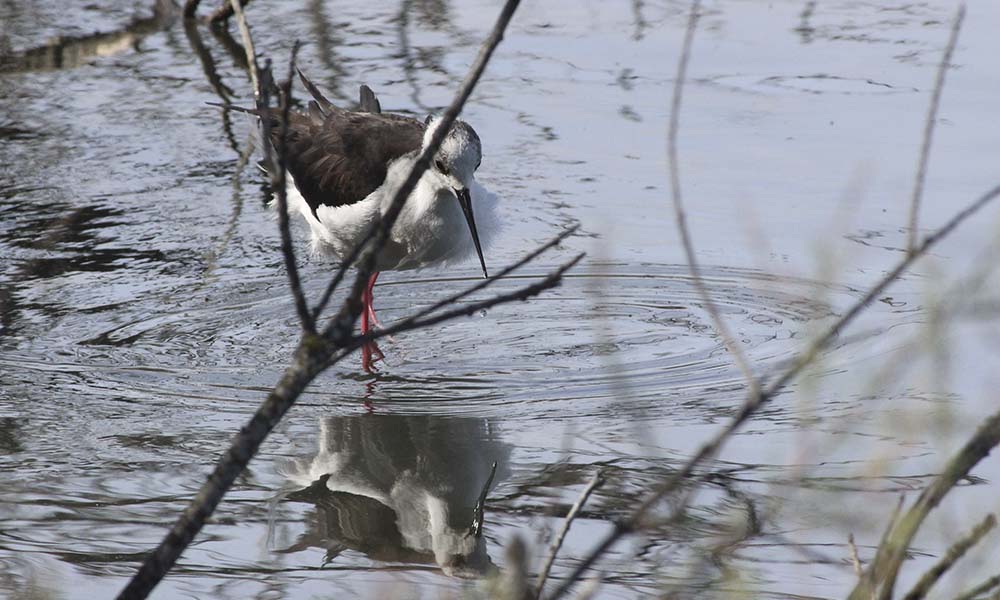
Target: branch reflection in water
(398,489)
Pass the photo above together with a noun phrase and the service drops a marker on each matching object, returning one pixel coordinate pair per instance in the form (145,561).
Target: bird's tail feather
(369,101)
(321,101)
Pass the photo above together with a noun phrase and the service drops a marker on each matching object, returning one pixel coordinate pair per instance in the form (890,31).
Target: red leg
(372,319)
(367,358)
(369,350)
(366,302)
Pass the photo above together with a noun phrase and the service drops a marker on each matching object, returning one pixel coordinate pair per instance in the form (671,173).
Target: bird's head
(460,153)
(455,164)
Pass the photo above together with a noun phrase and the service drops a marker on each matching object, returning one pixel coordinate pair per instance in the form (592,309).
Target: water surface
(144,311)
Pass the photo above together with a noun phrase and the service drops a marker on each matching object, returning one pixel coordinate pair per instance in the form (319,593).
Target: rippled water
(144,311)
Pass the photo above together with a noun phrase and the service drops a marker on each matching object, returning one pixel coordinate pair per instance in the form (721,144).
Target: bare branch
(489,280)
(754,401)
(450,300)
(680,217)
(314,354)
(277,166)
(336,279)
(310,360)
(596,481)
(312,357)
(925,147)
(957,550)
(552,280)
(820,343)
(343,324)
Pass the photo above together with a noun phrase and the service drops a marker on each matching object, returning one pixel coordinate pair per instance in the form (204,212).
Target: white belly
(430,230)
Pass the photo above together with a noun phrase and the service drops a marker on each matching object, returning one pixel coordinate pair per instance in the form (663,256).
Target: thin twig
(254,69)
(492,278)
(309,360)
(485,283)
(552,280)
(980,589)
(887,564)
(596,481)
(343,324)
(226,10)
(312,356)
(957,550)
(278,168)
(754,402)
(336,279)
(823,341)
(680,217)
(855,561)
(925,147)
(478,518)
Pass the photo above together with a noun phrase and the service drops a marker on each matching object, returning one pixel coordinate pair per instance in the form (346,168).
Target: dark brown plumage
(337,156)
(342,157)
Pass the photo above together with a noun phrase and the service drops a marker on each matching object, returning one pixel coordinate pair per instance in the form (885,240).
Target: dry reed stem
(757,398)
(980,589)
(957,550)
(932,111)
(882,572)
(868,575)
(754,401)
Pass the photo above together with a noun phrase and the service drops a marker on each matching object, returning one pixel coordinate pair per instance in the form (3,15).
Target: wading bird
(344,168)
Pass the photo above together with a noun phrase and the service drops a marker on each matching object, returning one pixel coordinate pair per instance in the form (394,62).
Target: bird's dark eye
(440,167)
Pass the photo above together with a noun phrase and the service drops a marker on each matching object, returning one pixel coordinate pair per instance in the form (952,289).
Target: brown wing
(338,157)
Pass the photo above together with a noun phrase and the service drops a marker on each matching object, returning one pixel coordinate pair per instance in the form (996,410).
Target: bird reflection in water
(399,489)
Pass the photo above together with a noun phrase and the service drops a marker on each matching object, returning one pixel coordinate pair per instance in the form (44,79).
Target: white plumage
(430,230)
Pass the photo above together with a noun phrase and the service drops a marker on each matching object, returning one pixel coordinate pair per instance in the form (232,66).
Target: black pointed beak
(466,201)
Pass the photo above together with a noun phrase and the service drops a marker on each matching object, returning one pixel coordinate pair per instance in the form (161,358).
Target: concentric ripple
(613,332)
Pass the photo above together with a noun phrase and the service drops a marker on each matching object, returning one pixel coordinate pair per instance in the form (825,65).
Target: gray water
(144,311)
